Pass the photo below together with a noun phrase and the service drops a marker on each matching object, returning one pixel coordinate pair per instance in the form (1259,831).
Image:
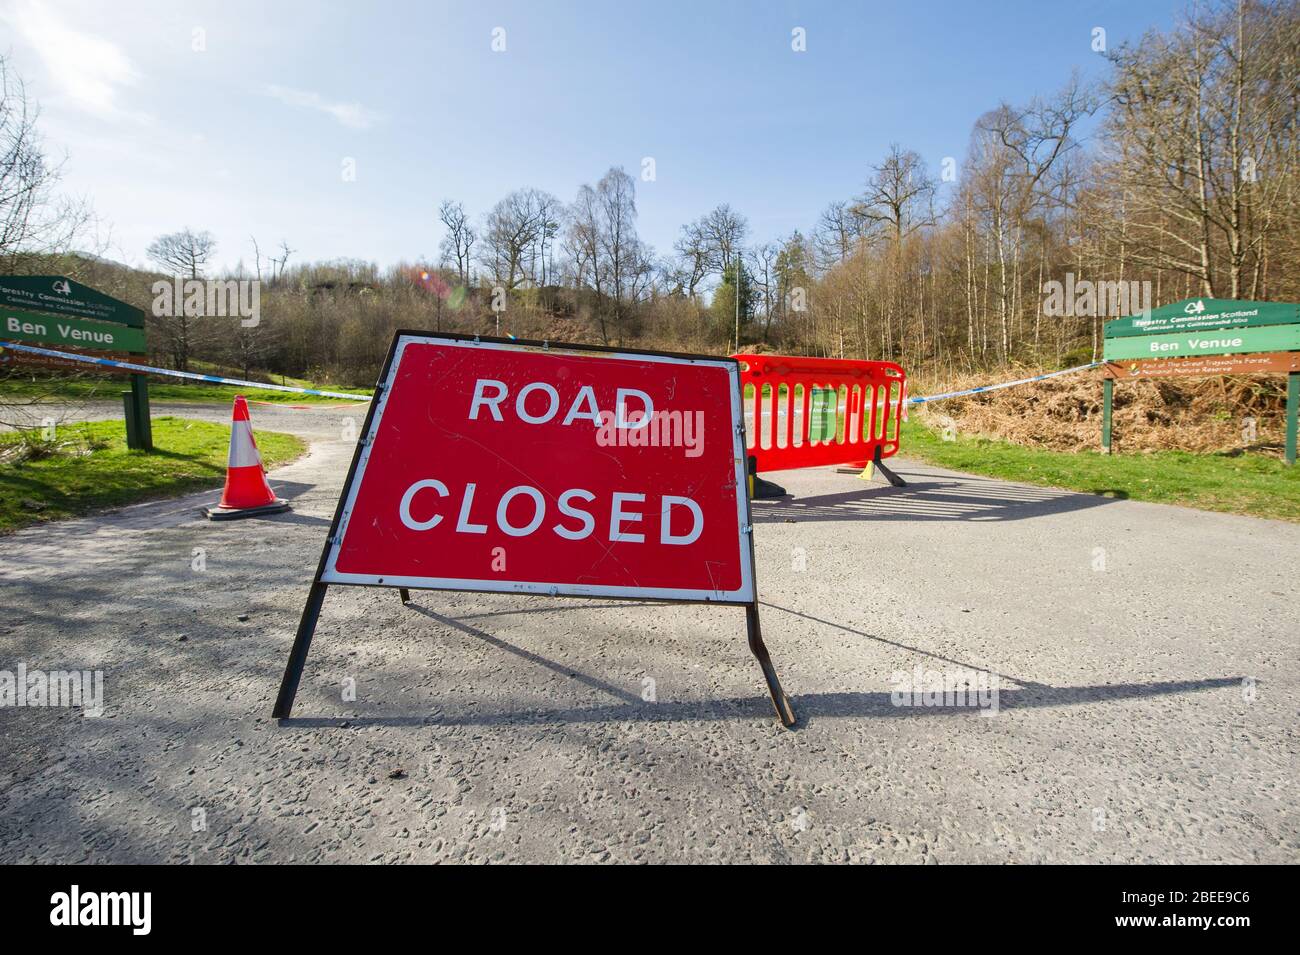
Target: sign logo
(1194,308)
(491,466)
(62,287)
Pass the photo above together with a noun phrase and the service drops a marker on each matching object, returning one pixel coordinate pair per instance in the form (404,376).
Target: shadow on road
(903,646)
(531,657)
(928,499)
(808,706)
(289,490)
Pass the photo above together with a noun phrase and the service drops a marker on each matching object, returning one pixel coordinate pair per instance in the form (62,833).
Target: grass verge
(1239,483)
(93,469)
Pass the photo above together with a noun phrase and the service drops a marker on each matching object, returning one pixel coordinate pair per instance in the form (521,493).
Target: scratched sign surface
(513,467)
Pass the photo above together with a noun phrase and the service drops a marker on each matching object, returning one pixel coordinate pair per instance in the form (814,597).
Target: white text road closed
(490,466)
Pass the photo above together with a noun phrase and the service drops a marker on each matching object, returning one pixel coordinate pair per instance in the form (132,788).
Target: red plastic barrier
(862,410)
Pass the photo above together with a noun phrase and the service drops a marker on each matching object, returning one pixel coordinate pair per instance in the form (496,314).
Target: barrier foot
(893,478)
(405,595)
(760,489)
(780,702)
(764,490)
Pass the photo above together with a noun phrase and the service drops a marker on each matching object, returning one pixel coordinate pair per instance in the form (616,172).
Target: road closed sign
(506,467)
(536,468)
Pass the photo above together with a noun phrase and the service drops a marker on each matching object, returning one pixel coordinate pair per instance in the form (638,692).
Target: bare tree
(183,254)
(839,231)
(550,216)
(616,195)
(582,240)
(692,264)
(765,280)
(277,264)
(897,196)
(724,231)
(607,255)
(458,244)
(33,220)
(512,233)
(1013,153)
(709,245)
(35,223)
(1205,119)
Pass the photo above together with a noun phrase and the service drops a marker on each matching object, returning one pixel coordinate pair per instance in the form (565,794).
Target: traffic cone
(246,493)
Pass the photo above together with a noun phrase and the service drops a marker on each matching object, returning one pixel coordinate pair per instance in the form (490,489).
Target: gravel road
(1145,659)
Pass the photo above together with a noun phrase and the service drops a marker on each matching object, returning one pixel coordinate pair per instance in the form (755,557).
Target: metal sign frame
(325,575)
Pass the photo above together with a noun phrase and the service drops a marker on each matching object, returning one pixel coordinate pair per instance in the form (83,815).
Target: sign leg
(133,440)
(784,712)
(298,655)
(405,595)
(1292,412)
(1107,394)
(143,422)
(893,478)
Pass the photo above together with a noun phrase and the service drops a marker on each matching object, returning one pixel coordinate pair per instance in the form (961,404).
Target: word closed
(484,455)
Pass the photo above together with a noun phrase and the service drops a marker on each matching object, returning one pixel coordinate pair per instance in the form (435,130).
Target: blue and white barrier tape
(1005,384)
(150,370)
(213,379)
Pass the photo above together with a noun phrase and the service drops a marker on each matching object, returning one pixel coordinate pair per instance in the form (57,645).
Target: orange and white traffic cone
(246,493)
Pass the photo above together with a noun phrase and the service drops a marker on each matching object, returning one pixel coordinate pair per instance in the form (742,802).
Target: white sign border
(746,593)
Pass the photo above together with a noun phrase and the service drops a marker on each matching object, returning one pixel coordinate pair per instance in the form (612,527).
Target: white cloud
(86,68)
(352,115)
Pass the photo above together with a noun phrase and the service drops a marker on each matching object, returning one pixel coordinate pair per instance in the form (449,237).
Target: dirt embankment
(1189,414)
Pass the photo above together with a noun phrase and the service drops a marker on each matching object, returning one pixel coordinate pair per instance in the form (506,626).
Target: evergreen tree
(724,299)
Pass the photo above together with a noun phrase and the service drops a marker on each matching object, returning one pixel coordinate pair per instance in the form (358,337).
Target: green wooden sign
(62,296)
(1231,341)
(1200,314)
(55,331)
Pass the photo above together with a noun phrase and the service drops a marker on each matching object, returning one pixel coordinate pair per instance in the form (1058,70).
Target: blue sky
(248,136)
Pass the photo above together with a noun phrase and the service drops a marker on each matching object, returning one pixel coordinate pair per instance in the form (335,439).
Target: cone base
(215,512)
